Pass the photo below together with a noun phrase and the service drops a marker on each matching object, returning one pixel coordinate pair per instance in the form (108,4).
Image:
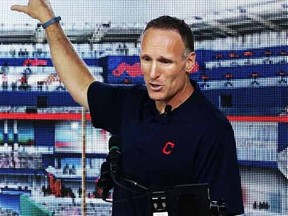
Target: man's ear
(190,62)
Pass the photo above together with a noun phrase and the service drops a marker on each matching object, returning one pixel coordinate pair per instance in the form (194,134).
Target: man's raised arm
(71,69)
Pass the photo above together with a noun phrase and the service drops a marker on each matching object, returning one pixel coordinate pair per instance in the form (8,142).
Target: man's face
(164,65)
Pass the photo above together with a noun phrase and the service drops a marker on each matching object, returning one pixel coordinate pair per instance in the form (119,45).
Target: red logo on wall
(195,68)
(132,70)
(167,149)
(35,62)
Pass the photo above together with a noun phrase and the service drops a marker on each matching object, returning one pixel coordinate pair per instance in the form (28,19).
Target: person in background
(4,81)
(171,134)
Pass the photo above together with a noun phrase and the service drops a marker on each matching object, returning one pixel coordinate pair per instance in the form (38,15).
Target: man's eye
(164,61)
(145,58)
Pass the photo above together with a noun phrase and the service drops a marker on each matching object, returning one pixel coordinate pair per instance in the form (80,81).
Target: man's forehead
(164,37)
(163,30)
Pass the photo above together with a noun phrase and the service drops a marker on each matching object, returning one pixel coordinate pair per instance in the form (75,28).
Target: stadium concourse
(242,57)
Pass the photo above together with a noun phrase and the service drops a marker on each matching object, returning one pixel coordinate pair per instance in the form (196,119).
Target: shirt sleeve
(105,106)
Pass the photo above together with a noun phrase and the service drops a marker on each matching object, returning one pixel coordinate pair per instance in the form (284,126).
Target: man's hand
(37,9)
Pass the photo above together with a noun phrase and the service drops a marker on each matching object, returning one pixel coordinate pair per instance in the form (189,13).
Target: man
(172,135)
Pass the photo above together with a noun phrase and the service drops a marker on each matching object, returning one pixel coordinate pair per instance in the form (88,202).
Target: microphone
(105,182)
(114,156)
(167,110)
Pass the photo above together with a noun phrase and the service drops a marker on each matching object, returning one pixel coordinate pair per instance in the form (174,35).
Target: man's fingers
(19,8)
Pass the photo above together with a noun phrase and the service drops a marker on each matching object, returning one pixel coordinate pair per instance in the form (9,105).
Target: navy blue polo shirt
(192,144)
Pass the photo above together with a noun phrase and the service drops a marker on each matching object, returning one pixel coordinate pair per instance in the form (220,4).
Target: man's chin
(156,97)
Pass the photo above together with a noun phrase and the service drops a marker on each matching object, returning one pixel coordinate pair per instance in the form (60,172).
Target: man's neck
(177,100)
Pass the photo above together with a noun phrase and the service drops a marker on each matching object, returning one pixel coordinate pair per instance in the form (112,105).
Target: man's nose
(154,71)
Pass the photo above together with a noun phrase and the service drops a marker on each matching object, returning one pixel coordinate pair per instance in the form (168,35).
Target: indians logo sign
(135,69)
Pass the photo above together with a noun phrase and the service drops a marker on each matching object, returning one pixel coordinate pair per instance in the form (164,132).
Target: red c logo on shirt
(167,149)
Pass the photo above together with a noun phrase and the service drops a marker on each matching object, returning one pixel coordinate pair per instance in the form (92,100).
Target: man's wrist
(51,22)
